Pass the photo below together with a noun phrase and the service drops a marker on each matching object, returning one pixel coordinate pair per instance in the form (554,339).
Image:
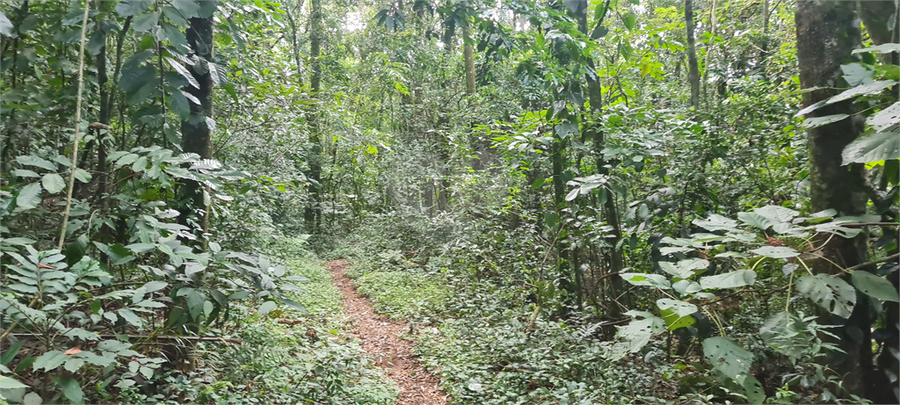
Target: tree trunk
(877,15)
(313,212)
(595,95)
(295,42)
(195,131)
(709,49)
(826,35)
(469,56)
(764,47)
(694,70)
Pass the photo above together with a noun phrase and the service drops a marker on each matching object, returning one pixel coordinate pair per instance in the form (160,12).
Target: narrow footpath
(378,336)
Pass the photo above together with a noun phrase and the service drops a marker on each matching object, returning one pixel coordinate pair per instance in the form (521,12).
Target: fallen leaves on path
(379,337)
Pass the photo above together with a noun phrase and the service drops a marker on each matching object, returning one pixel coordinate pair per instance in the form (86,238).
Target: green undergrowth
(288,356)
(475,335)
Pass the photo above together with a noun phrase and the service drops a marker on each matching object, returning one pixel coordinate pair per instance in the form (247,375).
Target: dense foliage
(574,201)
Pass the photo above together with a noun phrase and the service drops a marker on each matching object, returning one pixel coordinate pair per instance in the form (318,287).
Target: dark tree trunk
(877,16)
(694,70)
(826,34)
(595,97)
(313,212)
(195,131)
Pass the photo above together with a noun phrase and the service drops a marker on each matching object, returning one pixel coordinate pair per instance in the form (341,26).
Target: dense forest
(542,201)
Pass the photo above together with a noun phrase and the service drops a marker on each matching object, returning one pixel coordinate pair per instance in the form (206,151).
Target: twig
(883,259)
(65,222)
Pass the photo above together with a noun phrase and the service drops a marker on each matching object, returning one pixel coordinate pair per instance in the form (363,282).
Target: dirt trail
(379,337)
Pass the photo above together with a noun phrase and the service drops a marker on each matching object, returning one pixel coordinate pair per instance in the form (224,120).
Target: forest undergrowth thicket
(570,201)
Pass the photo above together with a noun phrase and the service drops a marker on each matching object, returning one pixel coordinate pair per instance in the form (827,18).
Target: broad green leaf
(174,16)
(866,89)
(776,252)
(130,317)
(716,222)
(815,122)
(874,286)
(183,71)
(127,8)
(831,293)
(734,279)
(652,280)
(140,247)
(71,388)
(207,8)
(25,173)
(145,22)
(155,286)
(187,8)
(855,74)
(599,31)
(873,148)
(629,20)
(49,361)
(195,302)
(29,197)
(777,213)
(10,383)
(139,165)
(176,37)
(218,74)
(727,357)
(572,194)
(266,307)
(53,183)
(755,220)
(686,286)
(294,304)
(74,364)
(31,160)
(677,314)
(82,175)
(753,390)
(886,118)
(32,398)
(883,48)
(6,26)
(180,105)
(10,352)
(638,332)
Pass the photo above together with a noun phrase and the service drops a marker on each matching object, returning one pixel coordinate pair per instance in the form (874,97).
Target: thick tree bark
(826,35)
(195,131)
(313,212)
(694,70)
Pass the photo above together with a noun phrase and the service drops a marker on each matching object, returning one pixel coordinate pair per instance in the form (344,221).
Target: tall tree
(595,101)
(693,69)
(195,130)
(469,54)
(827,32)
(313,212)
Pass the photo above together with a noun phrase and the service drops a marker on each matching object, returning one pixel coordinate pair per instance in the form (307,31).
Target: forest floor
(381,338)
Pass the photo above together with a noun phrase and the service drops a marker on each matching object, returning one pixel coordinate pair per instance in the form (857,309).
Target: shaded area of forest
(570,201)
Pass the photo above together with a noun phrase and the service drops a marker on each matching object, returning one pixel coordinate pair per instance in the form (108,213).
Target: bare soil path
(378,336)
